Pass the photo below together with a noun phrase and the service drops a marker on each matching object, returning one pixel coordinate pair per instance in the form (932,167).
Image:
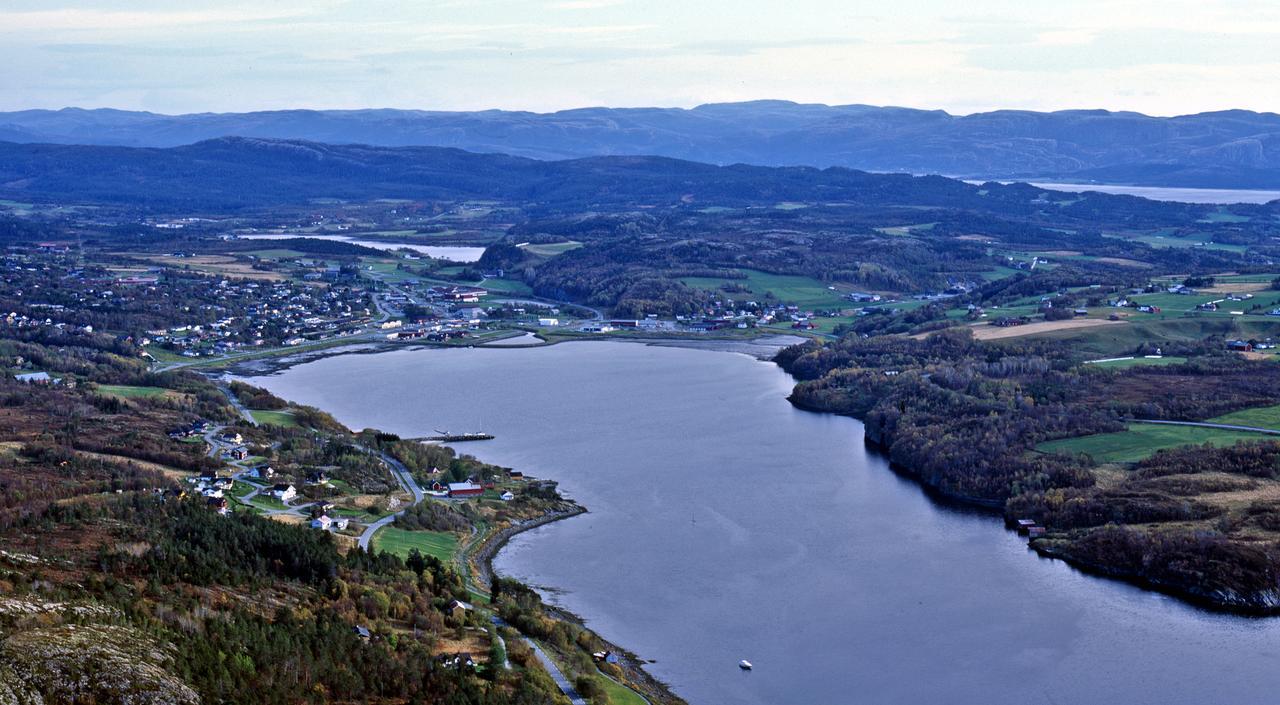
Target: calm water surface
(454,253)
(1164,193)
(726,524)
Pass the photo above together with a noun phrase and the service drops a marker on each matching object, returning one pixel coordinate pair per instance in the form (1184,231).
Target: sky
(1163,57)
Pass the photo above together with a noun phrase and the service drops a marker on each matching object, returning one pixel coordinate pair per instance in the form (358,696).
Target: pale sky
(1162,57)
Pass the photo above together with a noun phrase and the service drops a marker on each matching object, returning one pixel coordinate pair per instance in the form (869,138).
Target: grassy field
(508,287)
(274,418)
(130,392)
(1142,440)
(440,544)
(162,355)
(801,291)
(620,694)
(265,501)
(1261,417)
(1136,361)
(552,249)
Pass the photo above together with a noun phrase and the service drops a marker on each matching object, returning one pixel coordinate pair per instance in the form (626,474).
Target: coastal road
(1206,424)
(561,681)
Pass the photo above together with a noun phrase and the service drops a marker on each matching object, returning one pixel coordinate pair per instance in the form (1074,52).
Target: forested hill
(231,173)
(1229,149)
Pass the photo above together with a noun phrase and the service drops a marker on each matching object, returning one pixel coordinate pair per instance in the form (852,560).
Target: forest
(965,418)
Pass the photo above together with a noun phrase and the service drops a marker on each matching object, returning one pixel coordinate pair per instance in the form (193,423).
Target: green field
(801,291)
(1136,361)
(279,253)
(1142,440)
(620,694)
(266,501)
(274,418)
(130,392)
(440,544)
(507,287)
(552,249)
(162,355)
(1261,417)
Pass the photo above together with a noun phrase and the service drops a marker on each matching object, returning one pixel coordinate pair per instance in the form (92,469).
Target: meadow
(1142,440)
(441,544)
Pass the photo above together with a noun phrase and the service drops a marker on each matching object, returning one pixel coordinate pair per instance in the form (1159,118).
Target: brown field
(169,472)
(475,643)
(288,518)
(990,332)
(1123,262)
(976,238)
(219,265)
(1236,287)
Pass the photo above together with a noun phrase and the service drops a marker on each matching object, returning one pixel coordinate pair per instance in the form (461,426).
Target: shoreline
(270,364)
(1046,547)
(475,561)
(638,679)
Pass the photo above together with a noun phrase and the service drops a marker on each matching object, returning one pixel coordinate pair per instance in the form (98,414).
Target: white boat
(744,665)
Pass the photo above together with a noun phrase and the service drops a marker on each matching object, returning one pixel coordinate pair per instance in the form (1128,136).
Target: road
(1206,424)
(235,402)
(561,681)
(407,483)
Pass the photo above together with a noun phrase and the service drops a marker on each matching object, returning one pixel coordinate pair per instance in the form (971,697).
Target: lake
(449,252)
(1163,193)
(725,524)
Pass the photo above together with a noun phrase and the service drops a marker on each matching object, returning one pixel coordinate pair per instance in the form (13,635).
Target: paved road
(561,681)
(235,402)
(407,483)
(1206,424)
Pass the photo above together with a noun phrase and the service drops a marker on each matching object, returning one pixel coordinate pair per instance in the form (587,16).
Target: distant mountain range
(1231,149)
(240,172)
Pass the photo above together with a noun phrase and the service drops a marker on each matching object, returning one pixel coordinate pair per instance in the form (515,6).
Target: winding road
(407,483)
(563,682)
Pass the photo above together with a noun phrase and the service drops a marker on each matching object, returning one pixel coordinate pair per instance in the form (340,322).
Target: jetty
(455,437)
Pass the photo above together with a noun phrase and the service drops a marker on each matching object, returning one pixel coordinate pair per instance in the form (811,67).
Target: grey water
(725,524)
(453,253)
(1166,193)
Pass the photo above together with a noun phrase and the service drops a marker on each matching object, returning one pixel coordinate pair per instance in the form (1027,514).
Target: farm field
(441,544)
(1261,417)
(132,392)
(984,331)
(1117,364)
(217,265)
(274,418)
(551,249)
(509,287)
(804,292)
(1142,440)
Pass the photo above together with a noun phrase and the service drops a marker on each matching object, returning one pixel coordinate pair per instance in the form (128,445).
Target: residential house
(284,492)
(457,609)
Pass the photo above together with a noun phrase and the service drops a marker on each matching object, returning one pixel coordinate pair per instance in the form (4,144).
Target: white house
(321,522)
(545,322)
(284,493)
(507,496)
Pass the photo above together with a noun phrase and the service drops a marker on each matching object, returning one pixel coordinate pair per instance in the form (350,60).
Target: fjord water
(726,524)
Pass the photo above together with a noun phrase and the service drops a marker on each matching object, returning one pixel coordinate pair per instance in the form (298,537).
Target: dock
(456,437)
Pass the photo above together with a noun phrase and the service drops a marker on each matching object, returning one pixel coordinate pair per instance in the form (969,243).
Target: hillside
(243,172)
(1231,149)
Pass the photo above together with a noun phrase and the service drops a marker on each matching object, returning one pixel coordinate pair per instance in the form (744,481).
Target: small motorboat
(744,665)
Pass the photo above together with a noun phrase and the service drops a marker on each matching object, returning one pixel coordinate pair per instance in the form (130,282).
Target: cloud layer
(1167,57)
